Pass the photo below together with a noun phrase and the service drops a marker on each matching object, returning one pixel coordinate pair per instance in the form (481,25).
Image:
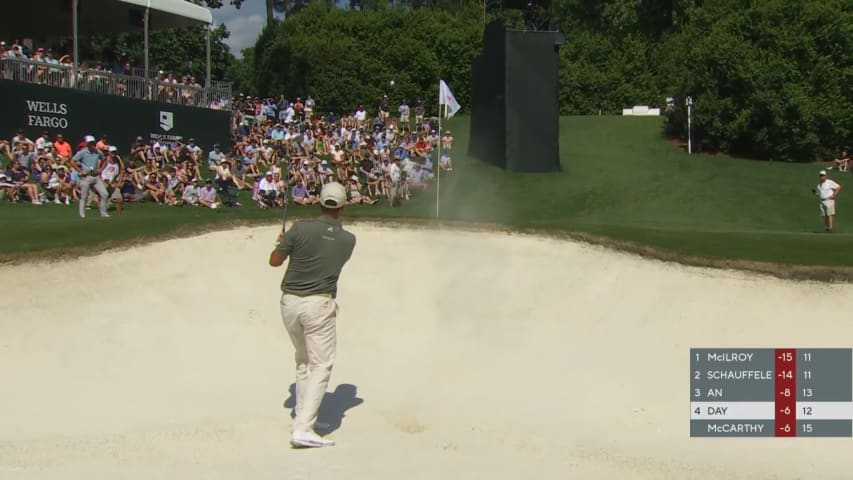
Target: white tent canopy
(41,19)
(177,13)
(154,14)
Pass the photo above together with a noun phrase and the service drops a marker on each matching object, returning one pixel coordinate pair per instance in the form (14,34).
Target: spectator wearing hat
(827,190)
(224,182)
(8,190)
(190,194)
(112,177)
(19,177)
(354,195)
(447,141)
(267,191)
(88,163)
(215,156)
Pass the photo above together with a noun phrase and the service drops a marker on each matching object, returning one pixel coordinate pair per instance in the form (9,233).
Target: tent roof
(39,19)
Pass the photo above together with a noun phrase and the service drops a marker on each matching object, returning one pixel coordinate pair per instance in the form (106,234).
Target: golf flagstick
(437,165)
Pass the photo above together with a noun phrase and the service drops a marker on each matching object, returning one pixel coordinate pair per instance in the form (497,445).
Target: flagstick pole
(438,162)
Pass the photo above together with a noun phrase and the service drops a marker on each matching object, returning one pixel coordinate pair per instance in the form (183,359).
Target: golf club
(286,177)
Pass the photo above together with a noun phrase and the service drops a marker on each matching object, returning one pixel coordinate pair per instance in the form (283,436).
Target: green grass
(620,180)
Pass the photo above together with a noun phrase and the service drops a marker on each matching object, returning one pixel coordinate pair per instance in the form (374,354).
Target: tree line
(771,79)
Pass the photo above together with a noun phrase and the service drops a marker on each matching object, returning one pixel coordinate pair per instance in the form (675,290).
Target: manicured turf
(620,180)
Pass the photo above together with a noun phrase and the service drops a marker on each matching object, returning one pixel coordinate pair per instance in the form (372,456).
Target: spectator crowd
(44,66)
(280,151)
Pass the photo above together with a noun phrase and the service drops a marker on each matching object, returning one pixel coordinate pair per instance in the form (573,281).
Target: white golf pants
(310,321)
(92,182)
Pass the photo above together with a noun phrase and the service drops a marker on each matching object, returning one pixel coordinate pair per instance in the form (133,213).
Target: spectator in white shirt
(360,116)
(43,141)
(190,193)
(289,114)
(215,156)
(827,190)
(267,191)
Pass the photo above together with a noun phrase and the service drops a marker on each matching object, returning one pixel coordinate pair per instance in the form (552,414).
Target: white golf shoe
(309,440)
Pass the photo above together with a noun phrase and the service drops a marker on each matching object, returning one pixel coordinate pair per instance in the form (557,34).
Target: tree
(344,58)
(287,7)
(179,51)
(769,81)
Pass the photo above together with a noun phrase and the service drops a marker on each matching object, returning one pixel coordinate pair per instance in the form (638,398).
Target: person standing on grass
(88,163)
(318,250)
(827,190)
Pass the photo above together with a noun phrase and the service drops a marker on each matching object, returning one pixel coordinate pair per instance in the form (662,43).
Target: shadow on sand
(333,408)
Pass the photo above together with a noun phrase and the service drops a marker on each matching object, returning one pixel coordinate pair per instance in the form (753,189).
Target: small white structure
(641,111)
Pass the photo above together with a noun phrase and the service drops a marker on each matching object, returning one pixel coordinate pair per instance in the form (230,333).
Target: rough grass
(622,186)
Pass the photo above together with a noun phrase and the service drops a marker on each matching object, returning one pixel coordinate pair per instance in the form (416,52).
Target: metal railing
(217,96)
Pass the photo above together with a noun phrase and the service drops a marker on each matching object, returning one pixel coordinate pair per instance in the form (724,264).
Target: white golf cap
(822,173)
(333,195)
(323,162)
(113,148)
(354,177)
(89,139)
(268,174)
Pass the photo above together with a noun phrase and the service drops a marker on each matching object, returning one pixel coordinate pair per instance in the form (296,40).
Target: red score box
(786,392)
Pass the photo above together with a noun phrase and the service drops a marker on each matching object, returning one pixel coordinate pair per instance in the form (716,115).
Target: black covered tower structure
(515,100)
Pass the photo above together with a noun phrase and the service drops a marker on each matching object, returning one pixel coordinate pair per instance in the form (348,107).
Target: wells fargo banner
(75,114)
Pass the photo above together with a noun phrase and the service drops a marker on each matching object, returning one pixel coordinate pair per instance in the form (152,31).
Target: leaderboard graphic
(771,392)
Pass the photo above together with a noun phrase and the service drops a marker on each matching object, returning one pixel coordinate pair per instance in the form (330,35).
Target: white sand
(476,356)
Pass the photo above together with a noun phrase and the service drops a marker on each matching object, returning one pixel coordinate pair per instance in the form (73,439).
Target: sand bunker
(461,355)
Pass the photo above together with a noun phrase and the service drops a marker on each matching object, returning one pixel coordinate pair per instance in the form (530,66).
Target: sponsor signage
(76,114)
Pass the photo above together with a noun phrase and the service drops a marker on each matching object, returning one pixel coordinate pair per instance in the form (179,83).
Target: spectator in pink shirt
(207,195)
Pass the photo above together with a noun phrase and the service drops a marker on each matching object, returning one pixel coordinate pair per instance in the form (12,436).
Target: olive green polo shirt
(318,250)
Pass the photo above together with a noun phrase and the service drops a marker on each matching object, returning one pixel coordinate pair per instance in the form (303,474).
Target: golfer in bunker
(318,250)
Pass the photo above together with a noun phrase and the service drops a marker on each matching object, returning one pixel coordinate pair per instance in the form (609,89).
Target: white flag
(445,97)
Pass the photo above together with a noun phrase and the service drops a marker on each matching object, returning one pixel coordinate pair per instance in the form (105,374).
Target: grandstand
(75,98)
(63,18)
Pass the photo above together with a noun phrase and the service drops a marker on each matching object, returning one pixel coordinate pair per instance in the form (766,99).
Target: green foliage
(179,51)
(345,58)
(771,79)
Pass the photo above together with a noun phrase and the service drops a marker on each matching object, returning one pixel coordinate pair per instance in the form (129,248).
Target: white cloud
(244,31)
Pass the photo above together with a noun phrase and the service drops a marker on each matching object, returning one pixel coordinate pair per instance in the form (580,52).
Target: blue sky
(244,24)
